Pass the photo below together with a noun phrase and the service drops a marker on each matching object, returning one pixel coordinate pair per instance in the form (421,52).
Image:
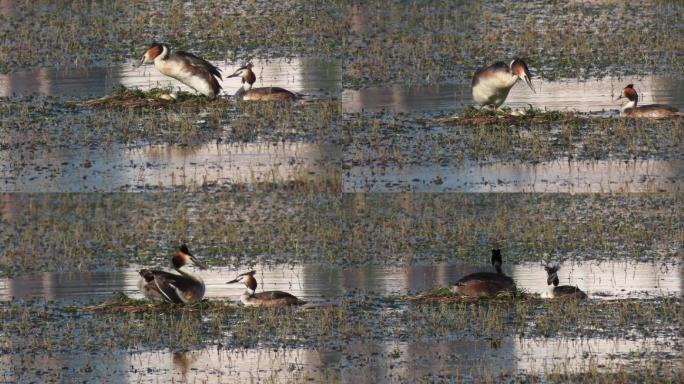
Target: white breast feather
(493,89)
(185,77)
(245,298)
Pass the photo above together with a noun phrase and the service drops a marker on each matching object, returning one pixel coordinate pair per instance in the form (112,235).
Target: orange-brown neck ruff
(631,94)
(180,259)
(154,51)
(249,77)
(251,283)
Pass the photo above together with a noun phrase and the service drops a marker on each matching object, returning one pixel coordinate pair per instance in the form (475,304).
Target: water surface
(307,75)
(562,176)
(595,95)
(362,362)
(163,167)
(317,283)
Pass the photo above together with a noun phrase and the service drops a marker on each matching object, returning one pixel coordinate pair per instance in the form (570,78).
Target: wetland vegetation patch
(388,139)
(430,42)
(274,228)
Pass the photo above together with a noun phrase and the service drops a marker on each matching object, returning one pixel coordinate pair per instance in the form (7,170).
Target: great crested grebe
(263,299)
(654,111)
(246,92)
(182,288)
(185,67)
(562,291)
(491,84)
(484,284)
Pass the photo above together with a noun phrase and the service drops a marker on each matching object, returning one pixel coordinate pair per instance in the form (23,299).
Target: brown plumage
(269,94)
(491,84)
(247,93)
(652,111)
(263,299)
(185,67)
(563,291)
(181,288)
(486,284)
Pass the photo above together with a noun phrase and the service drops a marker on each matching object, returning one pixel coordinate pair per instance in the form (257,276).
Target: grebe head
(629,93)
(184,258)
(496,259)
(552,275)
(155,50)
(248,76)
(520,70)
(248,279)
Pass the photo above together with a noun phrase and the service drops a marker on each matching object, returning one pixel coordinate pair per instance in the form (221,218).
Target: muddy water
(565,95)
(553,176)
(359,362)
(601,280)
(310,76)
(162,167)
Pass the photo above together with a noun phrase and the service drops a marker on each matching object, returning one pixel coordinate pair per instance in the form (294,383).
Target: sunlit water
(163,167)
(472,359)
(316,283)
(309,76)
(564,95)
(362,362)
(564,176)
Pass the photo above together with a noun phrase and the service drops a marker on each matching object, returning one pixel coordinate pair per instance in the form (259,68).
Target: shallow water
(308,75)
(601,280)
(162,167)
(606,176)
(363,362)
(564,95)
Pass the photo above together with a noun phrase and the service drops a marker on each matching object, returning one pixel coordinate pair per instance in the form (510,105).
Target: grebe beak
(199,264)
(529,83)
(143,61)
(620,97)
(237,72)
(237,280)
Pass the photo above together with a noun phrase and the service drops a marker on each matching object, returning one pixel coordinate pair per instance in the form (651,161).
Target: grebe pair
(488,284)
(187,287)
(203,76)
(492,84)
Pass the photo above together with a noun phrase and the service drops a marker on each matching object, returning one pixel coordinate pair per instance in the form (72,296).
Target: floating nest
(474,116)
(123,97)
(120,303)
(445,295)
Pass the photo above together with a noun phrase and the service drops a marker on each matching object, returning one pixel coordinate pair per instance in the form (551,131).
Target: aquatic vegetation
(385,139)
(306,218)
(413,41)
(429,42)
(153,98)
(120,303)
(33,328)
(77,34)
(446,295)
(38,232)
(136,117)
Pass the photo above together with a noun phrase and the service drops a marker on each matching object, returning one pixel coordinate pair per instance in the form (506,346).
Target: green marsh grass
(28,326)
(77,33)
(62,232)
(31,124)
(384,139)
(430,42)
